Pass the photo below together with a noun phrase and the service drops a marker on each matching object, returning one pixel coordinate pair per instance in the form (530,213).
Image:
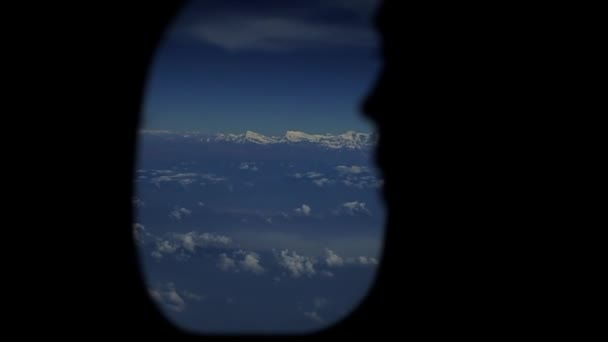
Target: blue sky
(267,66)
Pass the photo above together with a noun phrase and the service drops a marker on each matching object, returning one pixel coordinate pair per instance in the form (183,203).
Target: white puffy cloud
(138,230)
(178,213)
(362,260)
(297,265)
(188,242)
(354,208)
(166,246)
(332,259)
(322,182)
(251,262)
(225,263)
(357,176)
(191,240)
(175,302)
(241,260)
(304,210)
(168,296)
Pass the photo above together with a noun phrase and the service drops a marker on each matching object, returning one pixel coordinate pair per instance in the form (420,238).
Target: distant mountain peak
(349,139)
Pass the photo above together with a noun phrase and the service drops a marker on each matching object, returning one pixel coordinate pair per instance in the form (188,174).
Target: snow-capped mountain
(350,139)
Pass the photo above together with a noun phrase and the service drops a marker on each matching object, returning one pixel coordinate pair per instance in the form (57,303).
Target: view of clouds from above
(257,201)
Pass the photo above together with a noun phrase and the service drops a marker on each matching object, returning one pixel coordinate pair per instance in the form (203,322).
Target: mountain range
(348,140)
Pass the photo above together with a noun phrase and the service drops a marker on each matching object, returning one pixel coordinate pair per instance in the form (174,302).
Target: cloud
(354,169)
(171,176)
(191,295)
(162,172)
(313,174)
(186,181)
(322,181)
(156,255)
(210,177)
(157,180)
(138,227)
(362,260)
(168,296)
(353,208)
(225,263)
(192,240)
(304,210)
(366,260)
(185,178)
(166,247)
(332,259)
(184,175)
(248,166)
(240,32)
(188,242)
(309,174)
(139,233)
(155,294)
(327,274)
(357,176)
(251,263)
(297,265)
(178,213)
(138,203)
(314,316)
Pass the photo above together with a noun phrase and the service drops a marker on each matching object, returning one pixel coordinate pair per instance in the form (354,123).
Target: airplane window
(257,201)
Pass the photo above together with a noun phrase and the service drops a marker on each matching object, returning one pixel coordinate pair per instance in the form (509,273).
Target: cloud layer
(240,32)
